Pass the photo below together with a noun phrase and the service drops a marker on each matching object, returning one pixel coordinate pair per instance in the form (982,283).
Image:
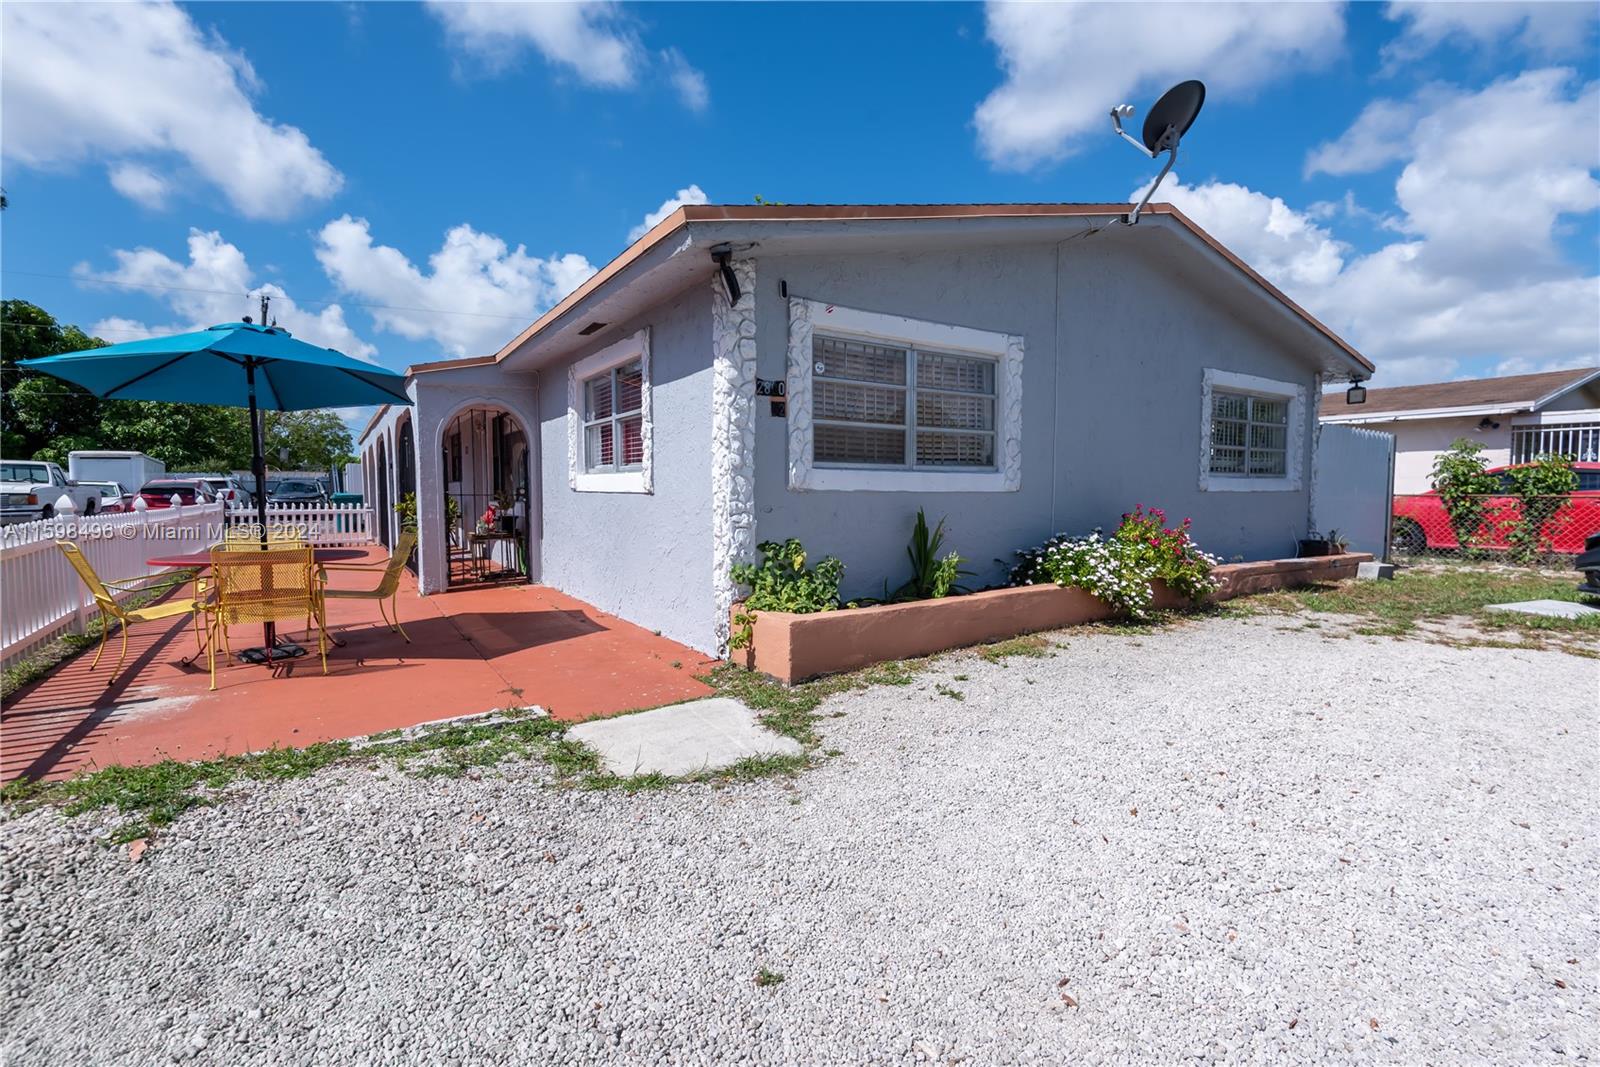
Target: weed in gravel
(765,978)
(1031,646)
(946,691)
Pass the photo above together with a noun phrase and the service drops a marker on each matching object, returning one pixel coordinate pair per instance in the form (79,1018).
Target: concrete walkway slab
(1555,609)
(682,739)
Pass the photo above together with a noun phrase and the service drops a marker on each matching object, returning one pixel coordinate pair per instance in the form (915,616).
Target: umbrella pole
(258,467)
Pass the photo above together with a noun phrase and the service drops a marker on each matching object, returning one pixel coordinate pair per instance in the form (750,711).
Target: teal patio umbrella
(235,364)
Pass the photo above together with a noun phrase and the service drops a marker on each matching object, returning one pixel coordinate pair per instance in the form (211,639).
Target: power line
(92,280)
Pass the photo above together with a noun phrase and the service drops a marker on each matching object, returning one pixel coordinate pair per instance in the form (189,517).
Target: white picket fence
(41,596)
(324,525)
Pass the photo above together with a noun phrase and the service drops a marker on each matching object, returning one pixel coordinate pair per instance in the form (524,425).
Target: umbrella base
(281,651)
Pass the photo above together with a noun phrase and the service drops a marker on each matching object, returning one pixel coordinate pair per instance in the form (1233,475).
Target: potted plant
(1315,545)
(1337,543)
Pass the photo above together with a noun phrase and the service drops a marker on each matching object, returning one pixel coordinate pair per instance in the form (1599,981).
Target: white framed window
(1252,433)
(609,419)
(890,404)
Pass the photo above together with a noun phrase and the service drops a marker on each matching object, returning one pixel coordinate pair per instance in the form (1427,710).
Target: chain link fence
(1526,531)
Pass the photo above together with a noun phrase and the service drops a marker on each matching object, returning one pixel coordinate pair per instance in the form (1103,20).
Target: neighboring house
(1017,369)
(1516,419)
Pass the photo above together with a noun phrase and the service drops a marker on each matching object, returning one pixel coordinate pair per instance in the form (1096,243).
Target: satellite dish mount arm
(1117,115)
(1169,141)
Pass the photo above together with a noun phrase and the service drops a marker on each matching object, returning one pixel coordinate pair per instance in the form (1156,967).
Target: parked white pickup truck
(30,488)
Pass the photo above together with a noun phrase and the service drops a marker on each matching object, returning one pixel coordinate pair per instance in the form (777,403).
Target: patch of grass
(765,978)
(1395,608)
(157,794)
(791,710)
(946,691)
(1029,646)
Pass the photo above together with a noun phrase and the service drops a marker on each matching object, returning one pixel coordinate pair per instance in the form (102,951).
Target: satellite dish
(1164,127)
(1176,110)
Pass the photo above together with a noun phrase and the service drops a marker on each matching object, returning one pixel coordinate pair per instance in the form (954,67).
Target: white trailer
(132,469)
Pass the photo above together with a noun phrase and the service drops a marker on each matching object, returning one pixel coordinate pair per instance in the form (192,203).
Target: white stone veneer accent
(733,400)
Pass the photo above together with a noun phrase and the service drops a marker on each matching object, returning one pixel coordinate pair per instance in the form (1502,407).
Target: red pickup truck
(1421,522)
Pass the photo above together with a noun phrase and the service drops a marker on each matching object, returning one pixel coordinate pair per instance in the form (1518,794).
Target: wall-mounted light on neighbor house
(1356,394)
(1486,423)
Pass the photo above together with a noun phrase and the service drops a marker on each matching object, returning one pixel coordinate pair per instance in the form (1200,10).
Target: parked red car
(159,494)
(1421,522)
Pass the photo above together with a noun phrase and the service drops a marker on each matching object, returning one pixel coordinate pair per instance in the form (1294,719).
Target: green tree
(36,411)
(1460,478)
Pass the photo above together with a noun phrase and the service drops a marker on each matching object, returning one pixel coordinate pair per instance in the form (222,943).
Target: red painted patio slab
(472,650)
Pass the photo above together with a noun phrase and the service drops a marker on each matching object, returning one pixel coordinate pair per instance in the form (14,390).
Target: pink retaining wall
(792,648)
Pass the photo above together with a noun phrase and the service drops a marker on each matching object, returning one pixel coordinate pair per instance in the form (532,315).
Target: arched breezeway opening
(484,460)
(405,461)
(381,516)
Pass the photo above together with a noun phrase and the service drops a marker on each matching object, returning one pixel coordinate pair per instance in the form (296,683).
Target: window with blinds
(877,404)
(1249,435)
(613,419)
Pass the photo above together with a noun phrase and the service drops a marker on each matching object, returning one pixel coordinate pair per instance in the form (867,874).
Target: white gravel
(1232,841)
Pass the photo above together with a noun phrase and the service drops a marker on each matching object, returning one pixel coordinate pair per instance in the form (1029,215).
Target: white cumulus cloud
(1490,178)
(140,184)
(127,83)
(215,285)
(592,40)
(1067,64)
(689,83)
(692,195)
(1552,30)
(476,292)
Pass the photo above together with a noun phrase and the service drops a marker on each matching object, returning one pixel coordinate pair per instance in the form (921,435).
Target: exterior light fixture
(721,254)
(1356,394)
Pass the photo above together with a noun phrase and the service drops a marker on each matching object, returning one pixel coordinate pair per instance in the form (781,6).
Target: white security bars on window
(613,419)
(1580,440)
(1249,435)
(888,406)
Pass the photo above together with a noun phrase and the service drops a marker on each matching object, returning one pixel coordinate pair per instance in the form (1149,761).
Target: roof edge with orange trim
(878,213)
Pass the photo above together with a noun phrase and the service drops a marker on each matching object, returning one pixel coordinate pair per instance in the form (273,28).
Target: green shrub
(782,582)
(1541,489)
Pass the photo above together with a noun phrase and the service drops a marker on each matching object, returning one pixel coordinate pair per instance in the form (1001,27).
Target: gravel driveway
(1235,840)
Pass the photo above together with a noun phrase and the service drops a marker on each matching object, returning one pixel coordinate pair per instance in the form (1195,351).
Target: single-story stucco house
(753,373)
(1516,418)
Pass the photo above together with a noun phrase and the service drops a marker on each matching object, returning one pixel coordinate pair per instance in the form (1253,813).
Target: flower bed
(794,647)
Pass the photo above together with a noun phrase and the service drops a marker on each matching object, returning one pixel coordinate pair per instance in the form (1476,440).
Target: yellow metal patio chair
(388,587)
(105,598)
(256,585)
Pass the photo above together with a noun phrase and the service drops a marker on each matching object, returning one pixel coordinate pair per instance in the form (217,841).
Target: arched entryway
(381,515)
(484,456)
(405,462)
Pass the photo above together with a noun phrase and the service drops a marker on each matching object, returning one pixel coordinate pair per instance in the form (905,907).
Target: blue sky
(414,182)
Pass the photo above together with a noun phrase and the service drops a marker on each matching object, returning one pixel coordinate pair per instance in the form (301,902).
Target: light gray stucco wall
(1136,336)
(644,557)
(1116,342)
(1006,290)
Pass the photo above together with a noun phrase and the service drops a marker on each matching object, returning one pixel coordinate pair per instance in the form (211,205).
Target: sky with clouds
(417,181)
